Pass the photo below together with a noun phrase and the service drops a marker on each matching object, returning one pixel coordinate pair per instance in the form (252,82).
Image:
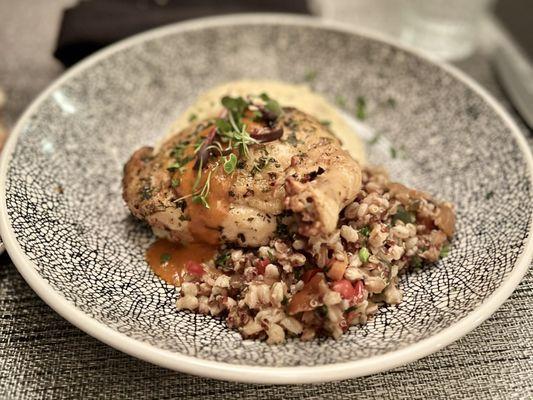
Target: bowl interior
(64,180)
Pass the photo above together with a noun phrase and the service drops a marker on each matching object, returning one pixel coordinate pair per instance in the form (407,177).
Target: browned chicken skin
(305,171)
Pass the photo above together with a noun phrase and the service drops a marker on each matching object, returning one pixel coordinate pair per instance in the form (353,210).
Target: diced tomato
(336,270)
(308,274)
(261,265)
(304,299)
(345,288)
(194,268)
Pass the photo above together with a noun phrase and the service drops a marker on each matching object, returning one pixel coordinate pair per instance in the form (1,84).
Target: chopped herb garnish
(393,152)
(374,140)
(364,254)
(489,195)
(223,125)
(222,260)
(340,101)
(261,163)
(325,122)
(177,151)
(174,166)
(360,110)
(200,196)
(271,256)
(179,165)
(230,162)
(200,199)
(310,75)
(391,102)
(271,104)
(193,117)
(350,309)
(416,261)
(403,215)
(165,257)
(444,251)
(365,231)
(227,140)
(146,192)
(236,105)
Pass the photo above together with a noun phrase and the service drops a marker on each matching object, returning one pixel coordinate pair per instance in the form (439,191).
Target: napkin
(93,24)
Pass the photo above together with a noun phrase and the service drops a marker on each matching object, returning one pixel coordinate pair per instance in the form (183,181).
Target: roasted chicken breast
(191,190)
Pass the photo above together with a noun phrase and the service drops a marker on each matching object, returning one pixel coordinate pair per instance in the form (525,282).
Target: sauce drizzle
(167,259)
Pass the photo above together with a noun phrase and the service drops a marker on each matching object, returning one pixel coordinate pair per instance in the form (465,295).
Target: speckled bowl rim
(245,373)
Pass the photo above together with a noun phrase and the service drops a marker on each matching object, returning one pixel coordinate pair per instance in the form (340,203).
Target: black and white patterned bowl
(71,237)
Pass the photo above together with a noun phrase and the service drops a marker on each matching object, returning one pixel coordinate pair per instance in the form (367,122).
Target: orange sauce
(168,259)
(206,223)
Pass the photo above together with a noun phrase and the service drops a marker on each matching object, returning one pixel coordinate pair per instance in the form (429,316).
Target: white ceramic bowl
(68,232)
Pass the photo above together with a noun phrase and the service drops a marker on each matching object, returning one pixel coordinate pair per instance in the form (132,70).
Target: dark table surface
(42,356)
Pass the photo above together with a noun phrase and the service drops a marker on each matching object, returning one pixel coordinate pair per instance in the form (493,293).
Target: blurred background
(40,38)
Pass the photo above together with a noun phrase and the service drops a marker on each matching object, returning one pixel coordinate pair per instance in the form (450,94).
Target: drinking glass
(446,28)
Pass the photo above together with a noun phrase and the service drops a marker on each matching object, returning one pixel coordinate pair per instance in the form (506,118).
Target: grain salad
(304,287)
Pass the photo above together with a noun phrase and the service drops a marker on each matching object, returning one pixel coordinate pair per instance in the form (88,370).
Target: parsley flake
(360,110)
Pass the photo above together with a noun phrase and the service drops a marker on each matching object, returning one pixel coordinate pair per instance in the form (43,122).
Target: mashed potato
(299,96)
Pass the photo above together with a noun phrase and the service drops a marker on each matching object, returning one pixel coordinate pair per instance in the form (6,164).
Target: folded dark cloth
(93,24)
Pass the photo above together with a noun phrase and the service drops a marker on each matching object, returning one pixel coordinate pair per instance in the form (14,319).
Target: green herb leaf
(444,251)
(223,125)
(274,107)
(391,102)
(340,101)
(200,199)
(271,104)
(360,110)
(165,257)
(230,162)
(175,183)
(393,152)
(350,309)
(192,117)
(310,75)
(325,122)
(489,195)
(174,166)
(403,215)
(365,231)
(222,259)
(364,254)
(416,261)
(236,105)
